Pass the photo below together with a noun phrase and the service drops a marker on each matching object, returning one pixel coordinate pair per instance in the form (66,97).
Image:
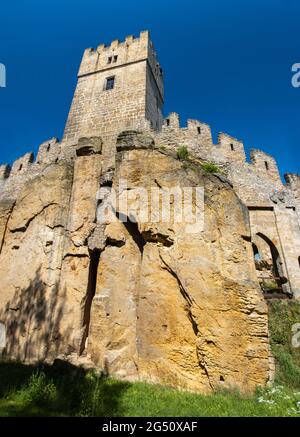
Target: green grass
(65,390)
(283,314)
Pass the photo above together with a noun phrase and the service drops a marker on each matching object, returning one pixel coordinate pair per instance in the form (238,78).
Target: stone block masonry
(135,93)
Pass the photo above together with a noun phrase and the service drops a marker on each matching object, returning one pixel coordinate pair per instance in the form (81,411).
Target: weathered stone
(89,146)
(134,140)
(30,262)
(193,310)
(156,299)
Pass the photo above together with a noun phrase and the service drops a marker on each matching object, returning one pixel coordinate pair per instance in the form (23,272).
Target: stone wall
(137,95)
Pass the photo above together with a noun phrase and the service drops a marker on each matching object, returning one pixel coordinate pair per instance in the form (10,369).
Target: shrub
(39,390)
(209,167)
(182,153)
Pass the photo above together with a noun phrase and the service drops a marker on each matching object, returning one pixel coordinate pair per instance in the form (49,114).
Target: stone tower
(120,87)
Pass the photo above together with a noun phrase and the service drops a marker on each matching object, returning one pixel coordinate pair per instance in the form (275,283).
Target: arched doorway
(269,267)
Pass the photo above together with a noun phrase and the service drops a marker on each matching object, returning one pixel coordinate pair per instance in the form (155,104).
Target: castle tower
(119,88)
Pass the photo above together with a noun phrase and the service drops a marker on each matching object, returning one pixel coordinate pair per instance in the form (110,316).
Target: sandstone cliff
(146,300)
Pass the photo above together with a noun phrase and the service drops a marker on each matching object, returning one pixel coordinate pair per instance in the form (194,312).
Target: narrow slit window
(168,122)
(266,165)
(115,58)
(199,130)
(110,83)
(232,147)
(109,60)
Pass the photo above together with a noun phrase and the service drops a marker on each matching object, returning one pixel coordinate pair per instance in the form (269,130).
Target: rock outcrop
(140,299)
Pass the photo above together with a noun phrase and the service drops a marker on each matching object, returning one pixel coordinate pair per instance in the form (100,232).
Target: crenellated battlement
(292,179)
(22,164)
(4,171)
(232,148)
(48,152)
(131,50)
(135,102)
(197,136)
(265,164)
(119,87)
(293,182)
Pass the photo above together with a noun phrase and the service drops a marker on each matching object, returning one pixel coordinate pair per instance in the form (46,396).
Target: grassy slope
(282,316)
(67,391)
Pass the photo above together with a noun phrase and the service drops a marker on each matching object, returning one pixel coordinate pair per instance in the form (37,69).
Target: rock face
(142,299)
(32,233)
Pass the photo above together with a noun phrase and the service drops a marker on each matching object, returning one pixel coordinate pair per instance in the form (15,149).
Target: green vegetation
(283,314)
(209,167)
(65,390)
(270,285)
(182,153)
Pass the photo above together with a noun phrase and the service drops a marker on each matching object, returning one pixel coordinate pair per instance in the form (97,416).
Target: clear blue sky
(227,63)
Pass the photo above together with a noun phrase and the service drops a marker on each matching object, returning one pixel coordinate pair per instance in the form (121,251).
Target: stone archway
(269,268)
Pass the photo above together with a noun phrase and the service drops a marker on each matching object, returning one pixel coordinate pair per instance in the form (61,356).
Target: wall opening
(232,147)
(270,271)
(90,293)
(266,165)
(110,83)
(199,130)
(133,230)
(299,260)
(257,255)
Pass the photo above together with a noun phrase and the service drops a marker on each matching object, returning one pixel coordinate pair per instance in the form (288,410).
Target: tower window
(266,165)
(110,83)
(115,58)
(199,130)
(109,60)
(168,121)
(232,147)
